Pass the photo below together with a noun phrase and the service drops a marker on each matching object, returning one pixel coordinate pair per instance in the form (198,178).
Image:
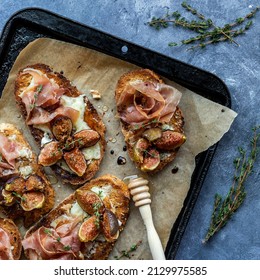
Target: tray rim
(204,159)
(18,16)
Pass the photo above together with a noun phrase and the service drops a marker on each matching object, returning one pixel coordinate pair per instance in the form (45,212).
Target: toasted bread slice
(25,190)
(153,144)
(95,214)
(83,117)
(12,247)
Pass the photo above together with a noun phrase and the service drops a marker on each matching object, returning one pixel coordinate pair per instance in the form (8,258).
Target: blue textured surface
(238,67)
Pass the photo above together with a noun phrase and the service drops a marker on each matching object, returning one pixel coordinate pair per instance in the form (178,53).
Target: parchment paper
(205,124)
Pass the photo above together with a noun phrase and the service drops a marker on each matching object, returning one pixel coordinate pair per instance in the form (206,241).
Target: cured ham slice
(5,246)
(9,150)
(42,116)
(142,101)
(42,93)
(50,243)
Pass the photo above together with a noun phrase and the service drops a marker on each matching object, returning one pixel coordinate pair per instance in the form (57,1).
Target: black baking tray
(30,24)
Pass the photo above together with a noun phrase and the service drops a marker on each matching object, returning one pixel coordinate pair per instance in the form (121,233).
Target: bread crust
(15,211)
(15,237)
(102,248)
(177,120)
(91,117)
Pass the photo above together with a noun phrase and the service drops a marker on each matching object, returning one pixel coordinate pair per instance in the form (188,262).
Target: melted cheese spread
(79,104)
(92,152)
(76,210)
(26,171)
(103,191)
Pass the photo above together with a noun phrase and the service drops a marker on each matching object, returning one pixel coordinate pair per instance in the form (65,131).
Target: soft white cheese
(12,137)
(76,210)
(63,165)
(167,127)
(76,103)
(26,171)
(25,152)
(92,152)
(103,191)
(45,139)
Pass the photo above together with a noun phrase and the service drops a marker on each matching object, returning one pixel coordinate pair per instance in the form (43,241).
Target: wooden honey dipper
(140,192)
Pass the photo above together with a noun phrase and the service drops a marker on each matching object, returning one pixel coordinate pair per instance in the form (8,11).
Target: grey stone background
(238,67)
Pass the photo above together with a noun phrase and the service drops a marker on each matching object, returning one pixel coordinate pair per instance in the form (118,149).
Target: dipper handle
(140,191)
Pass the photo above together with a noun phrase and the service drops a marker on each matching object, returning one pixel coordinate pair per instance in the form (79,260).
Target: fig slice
(170,140)
(16,184)
(118,202)
(152,134)
(140,146)
(89,230)
(61,127)
(50,154)
(76,161)
(151,160)
(110,226)
(32,200)
(8,198)
(86,138)
(34,183)
(89,201)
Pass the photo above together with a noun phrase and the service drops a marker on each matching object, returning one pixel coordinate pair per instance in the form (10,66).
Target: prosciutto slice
(42,116)
(49,243)
(141,102)
(5,246)
(9,150)
(42,93)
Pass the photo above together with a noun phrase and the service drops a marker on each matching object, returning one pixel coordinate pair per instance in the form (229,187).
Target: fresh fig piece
(139,148)
(34,183)
(89,201)
(76,161)
(16,184)
(118,202)
(110,226)
(152,134)
(151,160)
(86,138)
(61,127)
(7,198)
(89,230)
(170,140)
(32,200)
(50,154)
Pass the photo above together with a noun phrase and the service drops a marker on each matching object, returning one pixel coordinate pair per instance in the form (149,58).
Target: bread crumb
(95,94)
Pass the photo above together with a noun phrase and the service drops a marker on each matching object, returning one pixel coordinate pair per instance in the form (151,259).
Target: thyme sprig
(224,209)
(36,95)
(19,196)
(58,239)
(127,253)
(96,207)
(208,32)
